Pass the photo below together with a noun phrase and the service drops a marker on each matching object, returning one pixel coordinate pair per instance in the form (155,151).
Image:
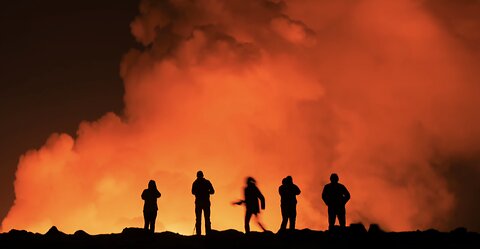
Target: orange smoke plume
(379,92)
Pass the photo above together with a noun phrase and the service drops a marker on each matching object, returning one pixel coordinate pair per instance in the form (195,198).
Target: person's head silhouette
(152,184)
(199,174)
(288,180)
(334,178)
(250,181)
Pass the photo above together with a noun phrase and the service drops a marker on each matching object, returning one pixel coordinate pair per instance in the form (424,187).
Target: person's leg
(259,222)
(149,226)
(248,215)
(331,218)
(283,226)
(293,217)
(198,219)
(152,222)
(342,216)
(145,219)
(206,213)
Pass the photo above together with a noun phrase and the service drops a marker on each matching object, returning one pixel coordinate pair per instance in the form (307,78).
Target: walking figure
(335,196)
(150,208)
(202,189)
(251,197)
(288,202)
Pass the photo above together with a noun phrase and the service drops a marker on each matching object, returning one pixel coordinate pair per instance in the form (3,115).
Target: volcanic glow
(377,91)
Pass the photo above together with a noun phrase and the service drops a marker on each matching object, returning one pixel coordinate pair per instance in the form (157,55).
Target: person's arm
(325,195)
(262,199)
(211,190)
(158,194)
(143,195)
(297,190)
(346,195)
(239,202)
(194,189)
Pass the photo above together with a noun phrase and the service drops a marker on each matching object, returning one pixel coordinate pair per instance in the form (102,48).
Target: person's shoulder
(340,186)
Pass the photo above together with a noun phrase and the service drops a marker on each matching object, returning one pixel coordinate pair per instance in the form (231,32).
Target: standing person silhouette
(202,189)
(252,195)
(335,196)
(288,202)
(150,208)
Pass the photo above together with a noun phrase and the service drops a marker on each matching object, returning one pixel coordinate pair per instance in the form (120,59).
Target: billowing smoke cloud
(385,93)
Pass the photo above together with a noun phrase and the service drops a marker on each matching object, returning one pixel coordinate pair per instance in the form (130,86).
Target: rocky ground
(355,236)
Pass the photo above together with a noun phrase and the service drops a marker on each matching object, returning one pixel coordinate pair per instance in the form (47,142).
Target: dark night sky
(59,65)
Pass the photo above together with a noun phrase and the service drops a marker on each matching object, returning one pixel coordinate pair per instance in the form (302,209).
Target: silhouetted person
(150,195)
(288,202)
(252,195)
(335,196)
(202,189)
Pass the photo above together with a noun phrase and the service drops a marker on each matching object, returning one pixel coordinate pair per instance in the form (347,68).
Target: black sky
(59,65)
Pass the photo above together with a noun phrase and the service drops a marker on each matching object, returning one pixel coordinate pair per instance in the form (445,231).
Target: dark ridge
(53,232)
(358,229)
(81,234)
(353,236)
(374,229)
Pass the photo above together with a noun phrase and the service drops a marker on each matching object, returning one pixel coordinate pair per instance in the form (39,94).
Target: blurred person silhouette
(251,197)
(288,202)
(202,189)
(150,208)
(335,196)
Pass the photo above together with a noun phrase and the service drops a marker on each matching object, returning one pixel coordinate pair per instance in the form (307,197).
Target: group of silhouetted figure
(334,194)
